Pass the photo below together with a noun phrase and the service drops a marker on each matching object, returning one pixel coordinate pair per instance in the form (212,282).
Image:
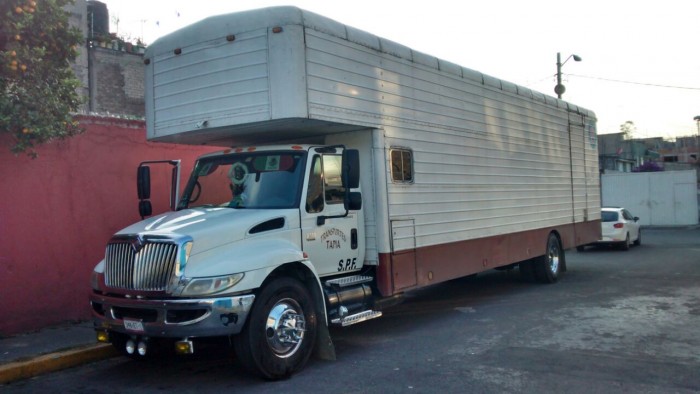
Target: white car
(620,228)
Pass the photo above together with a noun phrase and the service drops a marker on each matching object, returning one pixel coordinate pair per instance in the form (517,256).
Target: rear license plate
(133,325)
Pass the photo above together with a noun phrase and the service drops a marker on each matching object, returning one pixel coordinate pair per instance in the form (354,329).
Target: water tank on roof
(98,18)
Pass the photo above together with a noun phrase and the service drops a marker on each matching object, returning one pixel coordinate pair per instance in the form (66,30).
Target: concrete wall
(59,210)
(666,198)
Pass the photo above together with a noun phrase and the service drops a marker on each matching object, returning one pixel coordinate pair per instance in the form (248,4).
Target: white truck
(359,169)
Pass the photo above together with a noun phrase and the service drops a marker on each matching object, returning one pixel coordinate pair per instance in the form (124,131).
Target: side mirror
(351,168)
(143,182)
(145,208)
(636,219)
(143,185)
(353,202)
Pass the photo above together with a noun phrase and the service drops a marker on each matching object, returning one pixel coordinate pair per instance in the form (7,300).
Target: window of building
(670,159)
(401,165)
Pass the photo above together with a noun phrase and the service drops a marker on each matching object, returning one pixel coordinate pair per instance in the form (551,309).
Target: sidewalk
(50,349)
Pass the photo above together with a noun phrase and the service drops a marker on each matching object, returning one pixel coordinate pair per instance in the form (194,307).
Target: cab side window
(332,181)
(314,195)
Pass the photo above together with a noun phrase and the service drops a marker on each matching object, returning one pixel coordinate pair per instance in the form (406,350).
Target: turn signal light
(184,347)
(102,336)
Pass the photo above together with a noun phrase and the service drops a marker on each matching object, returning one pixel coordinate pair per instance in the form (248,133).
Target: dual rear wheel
(548,267)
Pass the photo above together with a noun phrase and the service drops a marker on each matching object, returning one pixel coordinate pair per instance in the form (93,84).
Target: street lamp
(560,89)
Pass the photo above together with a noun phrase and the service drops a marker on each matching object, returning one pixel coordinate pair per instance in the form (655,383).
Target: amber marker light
(102,336)
(184,347)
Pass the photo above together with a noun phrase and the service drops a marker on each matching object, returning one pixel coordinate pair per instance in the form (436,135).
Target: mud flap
(324,344)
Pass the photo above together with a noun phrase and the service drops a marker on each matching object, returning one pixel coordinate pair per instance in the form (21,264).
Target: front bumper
(181,318)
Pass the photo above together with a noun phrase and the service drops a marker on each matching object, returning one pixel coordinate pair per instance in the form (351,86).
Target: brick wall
(112,80)
(117,82)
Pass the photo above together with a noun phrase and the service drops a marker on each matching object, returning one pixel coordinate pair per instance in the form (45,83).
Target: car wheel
(280,333)
(581,248)
(625,245)
(638,241)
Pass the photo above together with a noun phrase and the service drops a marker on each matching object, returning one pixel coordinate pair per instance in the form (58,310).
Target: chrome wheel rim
(553,257)
(285,327)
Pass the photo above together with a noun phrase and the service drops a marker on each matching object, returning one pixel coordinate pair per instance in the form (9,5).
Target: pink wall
(58,212)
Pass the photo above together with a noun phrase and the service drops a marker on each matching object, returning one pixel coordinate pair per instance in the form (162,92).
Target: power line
(633,83)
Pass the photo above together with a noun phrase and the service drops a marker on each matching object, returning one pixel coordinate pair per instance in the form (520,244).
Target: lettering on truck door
(332,247)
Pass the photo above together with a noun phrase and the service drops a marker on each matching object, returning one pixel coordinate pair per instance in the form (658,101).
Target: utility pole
(559,89)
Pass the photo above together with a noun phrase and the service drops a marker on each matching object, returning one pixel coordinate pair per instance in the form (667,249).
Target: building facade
(110,69)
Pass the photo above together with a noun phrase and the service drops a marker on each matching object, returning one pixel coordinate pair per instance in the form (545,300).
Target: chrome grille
(148,269)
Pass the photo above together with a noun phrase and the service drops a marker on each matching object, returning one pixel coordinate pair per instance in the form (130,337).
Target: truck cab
(272,222)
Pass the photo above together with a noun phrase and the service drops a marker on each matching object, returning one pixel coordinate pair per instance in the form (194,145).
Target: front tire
(548,267)
(638,241)
(280,334)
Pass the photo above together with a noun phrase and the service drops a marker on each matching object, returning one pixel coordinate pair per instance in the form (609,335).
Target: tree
(628,129)
(38,85)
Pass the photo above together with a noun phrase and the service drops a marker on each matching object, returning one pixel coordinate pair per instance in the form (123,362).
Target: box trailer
(358,170)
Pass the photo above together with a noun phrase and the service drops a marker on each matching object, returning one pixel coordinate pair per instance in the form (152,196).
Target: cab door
(333,243)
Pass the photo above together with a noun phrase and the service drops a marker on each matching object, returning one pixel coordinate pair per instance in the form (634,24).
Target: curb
(52,362)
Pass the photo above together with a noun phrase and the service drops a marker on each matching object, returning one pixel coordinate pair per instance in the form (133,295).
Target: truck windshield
(261,180)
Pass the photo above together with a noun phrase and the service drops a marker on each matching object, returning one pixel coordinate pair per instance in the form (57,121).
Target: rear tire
(280,334)
(625,245)
(549,266)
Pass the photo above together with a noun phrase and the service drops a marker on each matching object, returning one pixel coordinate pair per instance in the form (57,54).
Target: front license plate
(133,325)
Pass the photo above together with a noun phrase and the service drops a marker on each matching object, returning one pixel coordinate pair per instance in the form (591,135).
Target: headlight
(206,286)
(97,279)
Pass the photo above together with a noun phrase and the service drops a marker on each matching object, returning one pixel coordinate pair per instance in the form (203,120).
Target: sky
(640,59)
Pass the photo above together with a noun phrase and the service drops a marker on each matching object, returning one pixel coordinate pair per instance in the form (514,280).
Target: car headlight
(212,285)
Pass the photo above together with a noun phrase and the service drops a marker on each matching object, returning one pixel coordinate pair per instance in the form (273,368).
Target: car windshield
(610,216)
(252,180)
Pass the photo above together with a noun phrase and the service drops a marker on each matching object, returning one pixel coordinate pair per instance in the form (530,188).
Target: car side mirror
(636,219)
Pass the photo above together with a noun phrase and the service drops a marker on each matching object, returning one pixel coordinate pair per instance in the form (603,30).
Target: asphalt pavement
(57,348)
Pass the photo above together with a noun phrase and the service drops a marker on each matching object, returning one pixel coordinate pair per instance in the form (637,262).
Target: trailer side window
(401,165)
